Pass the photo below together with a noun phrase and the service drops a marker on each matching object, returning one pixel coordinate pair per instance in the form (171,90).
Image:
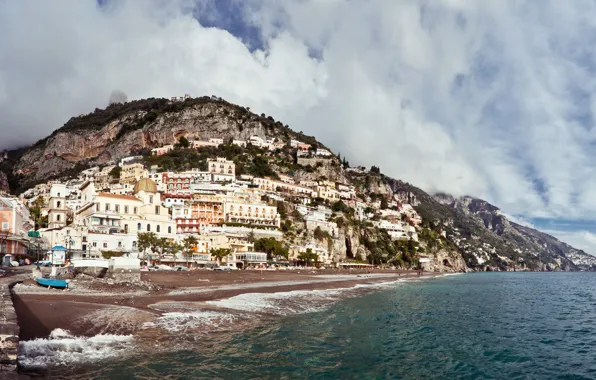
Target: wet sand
(88,314)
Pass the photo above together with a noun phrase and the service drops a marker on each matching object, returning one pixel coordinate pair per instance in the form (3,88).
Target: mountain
(488,240)
(457,233)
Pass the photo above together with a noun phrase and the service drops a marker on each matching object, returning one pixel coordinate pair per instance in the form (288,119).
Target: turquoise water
(473,326)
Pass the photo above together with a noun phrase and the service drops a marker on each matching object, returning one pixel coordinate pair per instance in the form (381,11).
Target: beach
(41,310)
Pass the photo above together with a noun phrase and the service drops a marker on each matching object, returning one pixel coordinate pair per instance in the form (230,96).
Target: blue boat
(48,282)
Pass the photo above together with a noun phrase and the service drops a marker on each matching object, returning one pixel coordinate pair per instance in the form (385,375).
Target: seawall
(9,326)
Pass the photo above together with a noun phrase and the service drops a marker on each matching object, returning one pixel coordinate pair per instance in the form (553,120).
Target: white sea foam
(62,348)
(282,303)
(205,320)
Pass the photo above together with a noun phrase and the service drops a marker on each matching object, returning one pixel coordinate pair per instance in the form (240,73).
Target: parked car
(180,268)
(222,267)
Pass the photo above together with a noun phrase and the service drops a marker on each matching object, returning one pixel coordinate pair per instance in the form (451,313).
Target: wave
(292,302)
(205,320)
(62,348)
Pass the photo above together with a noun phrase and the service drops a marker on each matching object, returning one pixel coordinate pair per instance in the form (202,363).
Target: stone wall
(9,329)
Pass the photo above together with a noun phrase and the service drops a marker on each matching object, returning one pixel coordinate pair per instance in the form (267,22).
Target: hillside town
(199,218)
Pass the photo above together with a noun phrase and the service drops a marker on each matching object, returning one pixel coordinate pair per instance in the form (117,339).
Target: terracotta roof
(127,197)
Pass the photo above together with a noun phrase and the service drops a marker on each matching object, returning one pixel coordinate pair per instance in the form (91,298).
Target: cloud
(492,99)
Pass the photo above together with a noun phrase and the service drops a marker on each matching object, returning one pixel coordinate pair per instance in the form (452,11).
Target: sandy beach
(41,311)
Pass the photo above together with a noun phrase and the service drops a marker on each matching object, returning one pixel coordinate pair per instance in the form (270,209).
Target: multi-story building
(200,210)
(113,221)
(250,214)
(58,211)
(15,222)
(221,166)
(131,173)
(268,184)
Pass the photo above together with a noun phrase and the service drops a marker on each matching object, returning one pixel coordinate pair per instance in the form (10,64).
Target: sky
(494,98)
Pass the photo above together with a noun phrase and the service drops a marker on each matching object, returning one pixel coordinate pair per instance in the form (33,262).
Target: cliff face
(136,130)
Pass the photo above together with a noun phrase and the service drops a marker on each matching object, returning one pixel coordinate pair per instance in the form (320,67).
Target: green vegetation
(220,253)
(308,257)
(109,254)
(272,247)
(116,172)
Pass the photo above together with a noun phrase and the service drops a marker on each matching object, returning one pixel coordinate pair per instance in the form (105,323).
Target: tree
(375,170)
(183,142)
(115,172)
(384,203)
(340,206)
(189,243)
(161,246)
(272,247)
(145,240)
(220,253)
(308,256)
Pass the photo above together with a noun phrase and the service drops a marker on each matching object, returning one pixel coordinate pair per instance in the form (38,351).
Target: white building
(221,166)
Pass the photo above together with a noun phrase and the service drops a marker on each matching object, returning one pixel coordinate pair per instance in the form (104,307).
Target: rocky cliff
(487,240)
(121,129)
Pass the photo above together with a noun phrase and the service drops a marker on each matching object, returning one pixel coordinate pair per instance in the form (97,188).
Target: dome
(146,185)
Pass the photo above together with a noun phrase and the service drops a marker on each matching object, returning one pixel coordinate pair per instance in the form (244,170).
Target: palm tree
(220,253)
(189,243)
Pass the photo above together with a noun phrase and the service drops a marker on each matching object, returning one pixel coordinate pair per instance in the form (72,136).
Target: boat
(51,283)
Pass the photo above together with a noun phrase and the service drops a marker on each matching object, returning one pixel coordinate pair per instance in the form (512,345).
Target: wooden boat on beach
(52,283)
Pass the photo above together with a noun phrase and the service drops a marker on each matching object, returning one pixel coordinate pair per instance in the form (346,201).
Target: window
(68,232)
(126,228)
(58,194)
(95,244)
(58,204)
(135,210)
(139,226)
(126,209)
(107,207)
(151,199)
(84,239)
(58,217)
(157,228)
(169,229)
(119,244)
(148,227)
(4,226)
(117,208)
(105,245)
(134,244)
(156,210)
(97,207)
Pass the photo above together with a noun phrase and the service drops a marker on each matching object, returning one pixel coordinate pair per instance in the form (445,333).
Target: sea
(468,326)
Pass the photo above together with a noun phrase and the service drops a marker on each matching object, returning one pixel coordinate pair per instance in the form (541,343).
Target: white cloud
(488,98)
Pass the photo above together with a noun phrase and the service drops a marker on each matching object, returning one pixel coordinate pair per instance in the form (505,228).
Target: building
(131,173)
(58,212)
(199,211)
(240,143)
(162,150)
(250,214)
(221,166)
(268,184)
(323,152)
(247,259)
(113,221)
(15,223)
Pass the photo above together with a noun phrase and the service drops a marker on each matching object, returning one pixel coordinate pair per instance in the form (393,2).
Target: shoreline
(40,310)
